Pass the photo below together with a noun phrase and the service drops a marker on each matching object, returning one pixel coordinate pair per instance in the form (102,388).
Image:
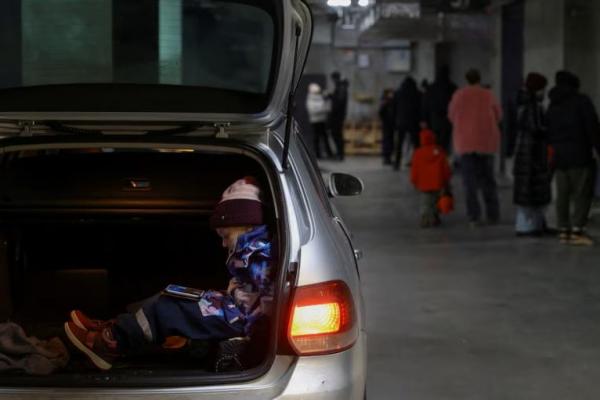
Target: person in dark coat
(532,192)
(573,133)
(337,115)
(435,107)
(386,114)
(407,112)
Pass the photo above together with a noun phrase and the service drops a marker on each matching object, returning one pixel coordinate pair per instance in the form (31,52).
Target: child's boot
(99,346)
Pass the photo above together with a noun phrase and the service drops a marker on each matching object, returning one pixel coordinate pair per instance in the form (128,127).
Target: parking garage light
(363,3)
(339,3)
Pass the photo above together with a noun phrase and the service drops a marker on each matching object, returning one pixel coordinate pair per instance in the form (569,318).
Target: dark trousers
(413,136)
(162,316)
(387,142)
(478,176)
(576,186)
(337,133)
(400,135)
(429,210)
(320,136)
(444,135)
(415,141)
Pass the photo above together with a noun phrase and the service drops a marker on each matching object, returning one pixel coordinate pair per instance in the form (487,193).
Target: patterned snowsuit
(217,315)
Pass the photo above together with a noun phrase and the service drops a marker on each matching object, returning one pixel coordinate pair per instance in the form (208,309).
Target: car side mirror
(344,185)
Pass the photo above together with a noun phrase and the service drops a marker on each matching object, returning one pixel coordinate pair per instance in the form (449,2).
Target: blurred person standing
(407,115)
(386,114)
(573,133)
(337,115)
(475,115)
(425,85)
(435,107)
(531,170)
(318,110)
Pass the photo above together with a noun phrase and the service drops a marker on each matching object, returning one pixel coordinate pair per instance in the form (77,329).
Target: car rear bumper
(340,376)
(333,377)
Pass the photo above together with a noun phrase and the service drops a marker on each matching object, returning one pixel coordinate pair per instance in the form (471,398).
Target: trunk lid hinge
(220,132)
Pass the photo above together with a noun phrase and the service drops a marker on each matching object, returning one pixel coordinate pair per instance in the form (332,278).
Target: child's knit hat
(240,205)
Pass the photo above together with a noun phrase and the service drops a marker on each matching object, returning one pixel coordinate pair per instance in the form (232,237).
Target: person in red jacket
(430,174)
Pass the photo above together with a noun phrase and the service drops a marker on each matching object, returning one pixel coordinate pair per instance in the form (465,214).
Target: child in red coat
(430,174)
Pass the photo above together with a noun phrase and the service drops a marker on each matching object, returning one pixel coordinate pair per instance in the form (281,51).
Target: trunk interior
(100,231)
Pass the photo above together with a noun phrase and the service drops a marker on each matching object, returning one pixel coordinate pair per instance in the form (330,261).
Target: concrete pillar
(424,61)
(564,34)
(461,56)
(169,41)
(544,36)
(10,43)
(582,44)
(496,52)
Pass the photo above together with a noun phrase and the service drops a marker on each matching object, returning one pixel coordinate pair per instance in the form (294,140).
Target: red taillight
(323,319)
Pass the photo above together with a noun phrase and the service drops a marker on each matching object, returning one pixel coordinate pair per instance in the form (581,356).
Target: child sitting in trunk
(430,174)
(217,315)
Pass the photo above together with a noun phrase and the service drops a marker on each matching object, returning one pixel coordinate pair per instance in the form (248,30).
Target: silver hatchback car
(121,122)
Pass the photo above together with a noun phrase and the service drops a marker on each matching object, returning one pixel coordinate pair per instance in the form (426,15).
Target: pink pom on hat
(240,205)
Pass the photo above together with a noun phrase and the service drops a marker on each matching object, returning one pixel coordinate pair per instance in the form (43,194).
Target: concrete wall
(463,56)
(582,44)
(496,52)
(564,34)
(424,61)
(544,36)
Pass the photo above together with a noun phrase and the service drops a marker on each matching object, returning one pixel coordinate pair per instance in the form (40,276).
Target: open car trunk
(100,230)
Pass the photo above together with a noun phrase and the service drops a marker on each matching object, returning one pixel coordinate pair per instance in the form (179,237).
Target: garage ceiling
(434,23)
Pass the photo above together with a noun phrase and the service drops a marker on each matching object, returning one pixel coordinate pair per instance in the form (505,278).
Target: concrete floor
(470,313)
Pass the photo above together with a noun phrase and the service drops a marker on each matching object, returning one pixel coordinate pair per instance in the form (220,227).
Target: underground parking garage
(332,199)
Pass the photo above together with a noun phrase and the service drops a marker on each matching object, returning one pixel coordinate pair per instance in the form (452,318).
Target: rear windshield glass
(215,45)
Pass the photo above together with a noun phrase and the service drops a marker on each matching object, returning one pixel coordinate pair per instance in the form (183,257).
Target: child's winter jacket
(250,267)
(429,168)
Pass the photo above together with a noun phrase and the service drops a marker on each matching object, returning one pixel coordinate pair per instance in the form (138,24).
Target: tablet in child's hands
(183,292)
